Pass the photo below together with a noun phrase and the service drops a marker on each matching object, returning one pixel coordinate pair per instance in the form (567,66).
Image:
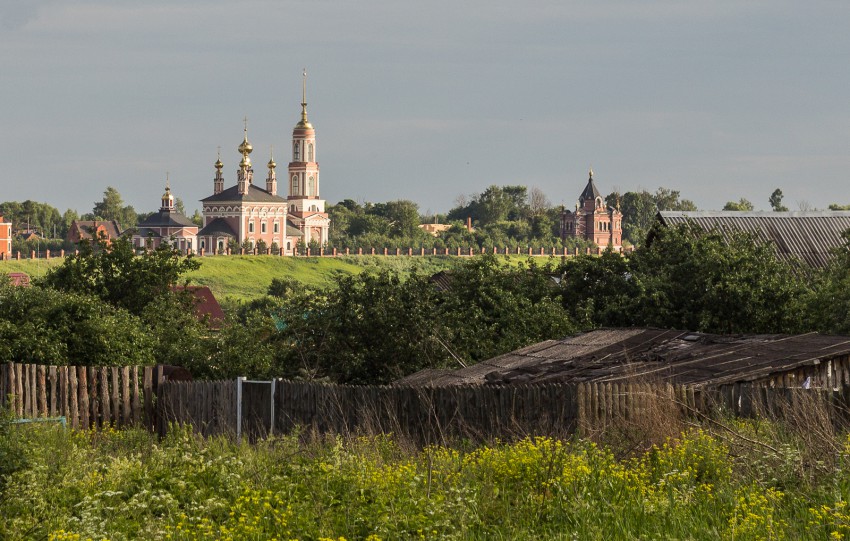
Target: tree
(836,206)
(741,205)
(829,306)
(116,275)
(45,326)
(691,279)
(538,203)
(640,208)
(775,201)
(111,207)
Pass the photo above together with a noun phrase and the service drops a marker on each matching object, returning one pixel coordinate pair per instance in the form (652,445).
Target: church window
(295,184)
(221,246)
(263,227)
(296,151)
(311,187)
(292,208)
(288,246)
(250,227)
(276,227)
(310,152)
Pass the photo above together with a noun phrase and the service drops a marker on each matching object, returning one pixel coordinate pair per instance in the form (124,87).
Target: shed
(807,236)
(672,356)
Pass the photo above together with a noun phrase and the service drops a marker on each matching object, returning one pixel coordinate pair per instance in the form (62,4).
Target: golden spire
(304,122)
(591,173)
(272,165)
(245,148)
(167,183)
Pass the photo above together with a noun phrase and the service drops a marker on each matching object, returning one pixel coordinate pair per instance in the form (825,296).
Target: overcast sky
(428,100)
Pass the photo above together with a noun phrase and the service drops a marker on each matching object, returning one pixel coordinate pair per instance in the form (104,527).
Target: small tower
(271,180)
(167,198)
(245,173)
(218,181)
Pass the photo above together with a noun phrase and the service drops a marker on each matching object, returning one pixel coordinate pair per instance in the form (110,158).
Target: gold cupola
(245,147)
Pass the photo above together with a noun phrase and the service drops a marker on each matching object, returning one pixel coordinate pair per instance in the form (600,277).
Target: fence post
(239,381)
(271,423)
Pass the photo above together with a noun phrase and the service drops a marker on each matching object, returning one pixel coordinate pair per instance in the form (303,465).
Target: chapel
(593,220)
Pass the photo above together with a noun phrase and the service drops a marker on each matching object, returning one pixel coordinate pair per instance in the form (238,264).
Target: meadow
(248,277)
(752,480)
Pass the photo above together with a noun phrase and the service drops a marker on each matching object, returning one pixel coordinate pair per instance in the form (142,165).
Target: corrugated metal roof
(681,357)
(807,236)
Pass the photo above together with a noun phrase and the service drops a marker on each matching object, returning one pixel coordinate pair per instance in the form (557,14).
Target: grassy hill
(247,277)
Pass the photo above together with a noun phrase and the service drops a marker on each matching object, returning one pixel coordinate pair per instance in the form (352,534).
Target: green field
(248,277)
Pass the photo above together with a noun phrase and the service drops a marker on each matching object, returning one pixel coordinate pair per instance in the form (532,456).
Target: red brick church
(593,220)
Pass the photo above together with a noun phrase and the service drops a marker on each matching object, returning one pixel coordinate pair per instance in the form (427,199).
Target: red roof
(206,305)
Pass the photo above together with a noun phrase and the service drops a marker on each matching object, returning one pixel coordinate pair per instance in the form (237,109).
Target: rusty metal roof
(616,355)
(807,236)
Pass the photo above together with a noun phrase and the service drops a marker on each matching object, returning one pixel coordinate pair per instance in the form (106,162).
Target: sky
(428,101)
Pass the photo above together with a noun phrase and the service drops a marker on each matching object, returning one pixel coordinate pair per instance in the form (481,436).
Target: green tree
(116,275)
(111,207)
(741,205)
(828,309)
(696,280)
(775,201)
(45,326)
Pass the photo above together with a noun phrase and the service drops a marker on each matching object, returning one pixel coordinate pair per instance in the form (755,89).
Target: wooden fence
(87,396)
(91,397)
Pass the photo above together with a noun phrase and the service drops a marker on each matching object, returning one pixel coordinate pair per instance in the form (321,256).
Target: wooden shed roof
(615,355)
(807,236)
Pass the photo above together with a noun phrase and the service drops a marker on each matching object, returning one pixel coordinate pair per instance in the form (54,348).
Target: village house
(5,238)
(81,230)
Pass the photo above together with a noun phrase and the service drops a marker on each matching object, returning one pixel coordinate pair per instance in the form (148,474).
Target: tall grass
(746,480)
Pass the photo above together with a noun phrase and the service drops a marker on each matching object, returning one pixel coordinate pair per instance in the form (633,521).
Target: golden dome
(304,124)
(245,147)
(218,164)
(272,165)
(246,161)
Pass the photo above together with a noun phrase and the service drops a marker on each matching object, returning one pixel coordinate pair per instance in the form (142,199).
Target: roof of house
(616,355)
(807,236)
(206,305)
(217,227)
(166,218)
(19,279)
(85,228)
(254,194)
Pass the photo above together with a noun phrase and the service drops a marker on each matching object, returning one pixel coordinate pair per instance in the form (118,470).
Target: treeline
(107,306)
(500,216)
(51,227)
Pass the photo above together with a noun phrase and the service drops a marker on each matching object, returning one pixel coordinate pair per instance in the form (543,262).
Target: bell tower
(304,169)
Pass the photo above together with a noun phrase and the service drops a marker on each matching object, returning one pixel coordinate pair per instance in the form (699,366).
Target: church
(246,212)
(593,220)
(166,226)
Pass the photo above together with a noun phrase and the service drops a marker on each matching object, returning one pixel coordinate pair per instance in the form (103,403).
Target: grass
(126,484)
(248,277)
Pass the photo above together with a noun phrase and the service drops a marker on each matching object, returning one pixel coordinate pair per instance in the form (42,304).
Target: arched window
(296,151)
(294,184)
(263,227)
(288,246)
(276,227)
(311,186)
(250,227)
(220,245)
(310,152)
(292,208)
